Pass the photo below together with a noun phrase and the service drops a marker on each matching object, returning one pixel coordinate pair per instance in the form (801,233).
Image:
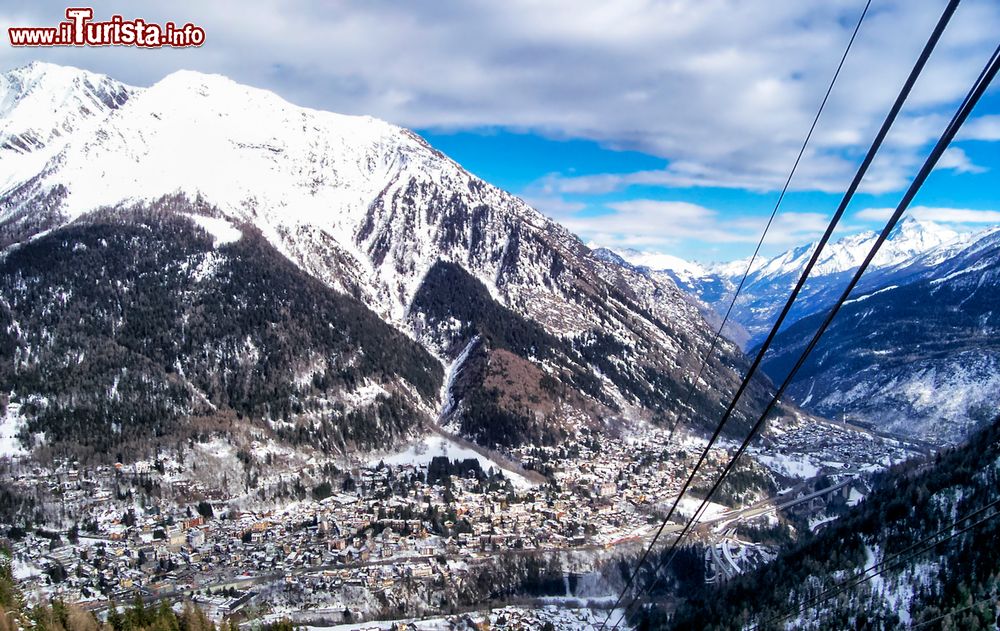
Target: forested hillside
(916,353)
(920,550)
(516,383)
(125,325)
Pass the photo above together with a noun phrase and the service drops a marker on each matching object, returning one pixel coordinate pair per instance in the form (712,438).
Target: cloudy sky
(659,125)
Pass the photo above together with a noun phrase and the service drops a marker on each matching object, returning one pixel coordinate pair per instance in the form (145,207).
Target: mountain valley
(296,366)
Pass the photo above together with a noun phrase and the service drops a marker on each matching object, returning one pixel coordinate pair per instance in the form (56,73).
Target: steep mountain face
(558,338)
(915,352)
(702,290)
(915,553)
(42,107)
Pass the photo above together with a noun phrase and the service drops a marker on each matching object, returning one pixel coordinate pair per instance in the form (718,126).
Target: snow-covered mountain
(912,353)
(45,103)
(560,337)
(915,351)
(700,285)
(770,281)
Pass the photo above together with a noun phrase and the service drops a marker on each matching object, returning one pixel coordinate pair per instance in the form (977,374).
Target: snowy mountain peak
(920,235)
(191,90)
(254,150)
(40,102)
(43,106)
(909,238)
(769,280)
(659,261)
(349,185)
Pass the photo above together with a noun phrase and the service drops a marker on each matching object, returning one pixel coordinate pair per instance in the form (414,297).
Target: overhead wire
(852,188)
(962,113)
(951,613)
(777,204)
(736,294)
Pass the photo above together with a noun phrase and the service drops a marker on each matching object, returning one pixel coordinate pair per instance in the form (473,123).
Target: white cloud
(933,213)
(956,159)
(981,128)
(553,205)
(724,90)
(659,225)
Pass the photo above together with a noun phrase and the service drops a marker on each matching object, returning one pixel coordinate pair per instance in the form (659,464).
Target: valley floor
(434,529)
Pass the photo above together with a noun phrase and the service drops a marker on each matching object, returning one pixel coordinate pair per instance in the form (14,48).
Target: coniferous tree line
(117,328)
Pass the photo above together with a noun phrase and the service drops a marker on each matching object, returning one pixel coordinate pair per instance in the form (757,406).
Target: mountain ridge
(369,209)
(910,353)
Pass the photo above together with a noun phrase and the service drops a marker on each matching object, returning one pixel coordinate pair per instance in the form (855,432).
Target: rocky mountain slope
(558,338)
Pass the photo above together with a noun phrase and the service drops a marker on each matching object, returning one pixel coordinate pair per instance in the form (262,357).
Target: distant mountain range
(201,254)
(771,279)
(913,352)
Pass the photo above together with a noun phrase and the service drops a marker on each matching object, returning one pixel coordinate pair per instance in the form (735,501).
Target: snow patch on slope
(452,372)
(425,449)
(11,424)
(222,231)
(799,466)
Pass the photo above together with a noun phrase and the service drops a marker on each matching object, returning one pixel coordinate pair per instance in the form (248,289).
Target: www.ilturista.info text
(79,29)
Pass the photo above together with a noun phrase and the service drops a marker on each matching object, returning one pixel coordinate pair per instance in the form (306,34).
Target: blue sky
(663,125)
(524,163)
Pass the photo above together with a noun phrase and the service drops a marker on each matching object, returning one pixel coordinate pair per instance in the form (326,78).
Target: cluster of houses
(389,526)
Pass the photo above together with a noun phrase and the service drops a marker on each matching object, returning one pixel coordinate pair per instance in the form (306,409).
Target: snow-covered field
(428,447)
(797,466)
(688,505)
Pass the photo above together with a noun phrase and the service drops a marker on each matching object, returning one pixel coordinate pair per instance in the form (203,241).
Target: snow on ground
(217,448)
(798,466)
(261,449)
(420,453)
(688,505)
(221,230)
(362,397)
(425,449)
(874,293)
(23,571)
(510,617)
(10,425)
(816,522)
(451,372)
(855,497)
